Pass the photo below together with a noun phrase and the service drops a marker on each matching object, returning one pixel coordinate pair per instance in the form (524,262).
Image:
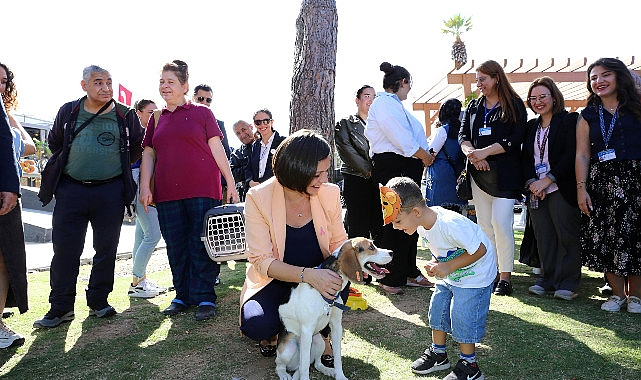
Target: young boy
(465,264)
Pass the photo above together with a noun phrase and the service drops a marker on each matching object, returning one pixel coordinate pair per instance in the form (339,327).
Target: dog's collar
(334,303)
(327,264)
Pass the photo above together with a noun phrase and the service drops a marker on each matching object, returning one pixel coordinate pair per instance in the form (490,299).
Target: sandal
(327,360)
(269,350)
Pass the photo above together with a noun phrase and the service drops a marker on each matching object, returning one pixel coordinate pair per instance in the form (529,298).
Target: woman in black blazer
(259,167)
(548,169)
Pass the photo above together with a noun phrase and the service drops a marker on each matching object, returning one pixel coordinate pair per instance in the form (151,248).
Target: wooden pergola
(570,76)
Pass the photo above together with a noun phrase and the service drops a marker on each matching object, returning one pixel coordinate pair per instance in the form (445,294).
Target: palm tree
(456,25)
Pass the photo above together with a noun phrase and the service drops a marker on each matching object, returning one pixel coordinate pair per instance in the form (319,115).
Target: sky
(244,49)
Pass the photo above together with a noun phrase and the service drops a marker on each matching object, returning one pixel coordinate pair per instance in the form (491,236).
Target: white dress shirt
(391,128)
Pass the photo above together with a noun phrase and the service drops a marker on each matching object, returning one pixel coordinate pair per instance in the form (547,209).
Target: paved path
(39,254)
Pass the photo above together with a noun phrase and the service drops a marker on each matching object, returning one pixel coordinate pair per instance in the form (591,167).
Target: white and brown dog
(307,312)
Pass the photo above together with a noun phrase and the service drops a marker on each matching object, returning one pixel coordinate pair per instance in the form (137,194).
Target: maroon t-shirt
(185,167)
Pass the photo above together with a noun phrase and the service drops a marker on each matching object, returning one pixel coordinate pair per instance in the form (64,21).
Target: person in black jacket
(240,157)
(491,135)
(548,169)
(259,167)
(94,141)
(362,197)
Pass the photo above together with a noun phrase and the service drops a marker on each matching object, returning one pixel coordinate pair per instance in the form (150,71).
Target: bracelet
(580,182)
(302,275)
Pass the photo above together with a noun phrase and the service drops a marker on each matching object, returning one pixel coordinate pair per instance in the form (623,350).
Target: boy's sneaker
(613,304)
(144,289)
(430,361)
(465,370)
(8,337)
(634,304)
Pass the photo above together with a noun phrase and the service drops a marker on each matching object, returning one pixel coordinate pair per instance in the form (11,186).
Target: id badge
(485,131)
(607,155)
(541,168)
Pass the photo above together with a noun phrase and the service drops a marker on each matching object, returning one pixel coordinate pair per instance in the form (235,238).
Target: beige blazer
(265,229)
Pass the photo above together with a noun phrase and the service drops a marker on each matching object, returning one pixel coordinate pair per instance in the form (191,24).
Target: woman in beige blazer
(293,222)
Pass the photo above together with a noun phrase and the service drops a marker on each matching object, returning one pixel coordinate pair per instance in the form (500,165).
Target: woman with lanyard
(548,170)
(608,181)
(399,149)
(491,136)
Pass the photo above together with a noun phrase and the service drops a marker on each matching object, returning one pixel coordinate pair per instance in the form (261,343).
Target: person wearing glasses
(608,181)
(398,148)
(491,135)
(548,171)
(185,155)
(259,167)
(203,94)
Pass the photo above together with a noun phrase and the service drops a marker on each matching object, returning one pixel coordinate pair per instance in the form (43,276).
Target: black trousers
(404,247)
(363,201)
(78,205)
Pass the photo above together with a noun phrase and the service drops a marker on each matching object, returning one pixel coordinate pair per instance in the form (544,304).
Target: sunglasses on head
(201,98)
(264,121)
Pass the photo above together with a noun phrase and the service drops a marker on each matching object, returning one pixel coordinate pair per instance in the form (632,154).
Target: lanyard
(543,144)
(488,112)
(606,137)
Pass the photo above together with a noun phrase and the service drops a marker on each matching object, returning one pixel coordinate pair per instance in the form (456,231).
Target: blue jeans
(193,272)
(147,233)
(461,312)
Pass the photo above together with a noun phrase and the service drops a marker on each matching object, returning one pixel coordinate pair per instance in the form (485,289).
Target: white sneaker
(153,286)
(142,290)
(9,337)
(537,270)
(634,304)
(613,303)
(537,289)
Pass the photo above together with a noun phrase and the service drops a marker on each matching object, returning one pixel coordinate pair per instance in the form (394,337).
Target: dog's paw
(324,370)
(341,377)
(284,376)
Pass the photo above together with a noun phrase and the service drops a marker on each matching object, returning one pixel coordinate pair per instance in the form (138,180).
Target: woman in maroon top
(184,153)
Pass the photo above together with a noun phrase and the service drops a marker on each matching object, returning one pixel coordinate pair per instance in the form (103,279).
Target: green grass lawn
(527,337)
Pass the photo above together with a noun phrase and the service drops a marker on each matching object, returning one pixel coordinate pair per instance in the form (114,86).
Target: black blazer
(509,135)
(9,179)
(561,153)
(254,158)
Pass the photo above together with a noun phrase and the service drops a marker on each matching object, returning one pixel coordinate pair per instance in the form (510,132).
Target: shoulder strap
(77,131)
(156,117)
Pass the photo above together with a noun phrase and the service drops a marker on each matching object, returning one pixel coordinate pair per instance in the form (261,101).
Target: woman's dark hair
(360,90)
(629,99)
(297,157)
(10,94)
(179,68)
(507,95)
(394,75)
(450,113)
(140,105)
(558,102)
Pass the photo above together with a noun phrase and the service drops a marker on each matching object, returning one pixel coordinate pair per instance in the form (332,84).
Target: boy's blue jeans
(461,312)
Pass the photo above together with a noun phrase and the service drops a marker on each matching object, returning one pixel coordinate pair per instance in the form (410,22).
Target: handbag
(463,185)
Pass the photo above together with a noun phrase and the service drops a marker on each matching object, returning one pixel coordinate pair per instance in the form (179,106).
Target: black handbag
(464,186)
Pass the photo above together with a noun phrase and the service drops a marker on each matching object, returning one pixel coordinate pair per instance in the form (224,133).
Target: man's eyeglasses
(540,98)
(264,121)
(201,98)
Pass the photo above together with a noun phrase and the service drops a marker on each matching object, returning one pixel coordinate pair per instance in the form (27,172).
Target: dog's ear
(349,264)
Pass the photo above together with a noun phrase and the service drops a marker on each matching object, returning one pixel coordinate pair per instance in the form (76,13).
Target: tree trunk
(312,104)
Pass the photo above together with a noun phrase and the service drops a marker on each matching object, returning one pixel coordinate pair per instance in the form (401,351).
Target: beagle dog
(307,312)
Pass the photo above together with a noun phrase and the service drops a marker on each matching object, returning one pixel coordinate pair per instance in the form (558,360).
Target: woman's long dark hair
(629,98)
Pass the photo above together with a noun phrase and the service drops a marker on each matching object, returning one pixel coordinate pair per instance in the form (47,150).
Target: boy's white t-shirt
(449,236)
